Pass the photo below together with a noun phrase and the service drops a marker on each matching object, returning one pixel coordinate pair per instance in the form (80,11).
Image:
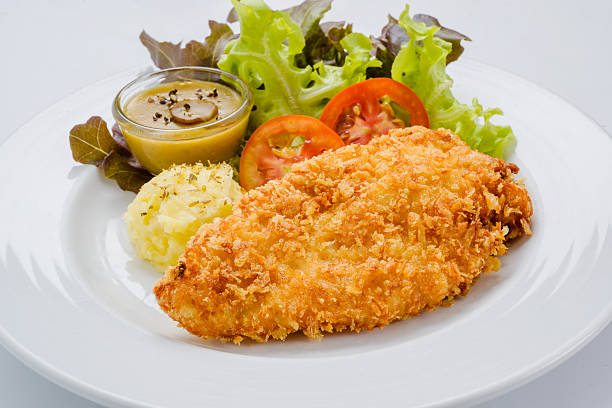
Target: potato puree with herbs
(171,207)
(180,105)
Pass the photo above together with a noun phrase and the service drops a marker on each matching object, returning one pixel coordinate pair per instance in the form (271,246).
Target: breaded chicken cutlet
(352,239)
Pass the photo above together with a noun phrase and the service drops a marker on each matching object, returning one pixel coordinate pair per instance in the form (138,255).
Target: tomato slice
(366,109)
(281,142)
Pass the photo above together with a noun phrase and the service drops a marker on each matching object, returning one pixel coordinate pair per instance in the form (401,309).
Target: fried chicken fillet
(352,239)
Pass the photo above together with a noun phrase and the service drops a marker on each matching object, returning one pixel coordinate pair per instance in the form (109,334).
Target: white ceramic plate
(76,304)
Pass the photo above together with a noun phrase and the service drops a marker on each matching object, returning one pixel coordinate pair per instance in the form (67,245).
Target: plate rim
(541,366)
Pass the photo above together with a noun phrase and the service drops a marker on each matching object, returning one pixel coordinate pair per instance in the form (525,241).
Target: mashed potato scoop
(171,207)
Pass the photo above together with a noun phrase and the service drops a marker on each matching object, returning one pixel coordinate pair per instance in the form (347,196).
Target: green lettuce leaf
(322,41)
(421,65)
(266,60)
(393,37)
(307,14)
(447,34)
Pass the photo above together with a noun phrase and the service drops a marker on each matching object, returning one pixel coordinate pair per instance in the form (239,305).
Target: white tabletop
(53,48)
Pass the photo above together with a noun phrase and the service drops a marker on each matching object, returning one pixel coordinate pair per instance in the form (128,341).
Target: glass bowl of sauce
(183,115)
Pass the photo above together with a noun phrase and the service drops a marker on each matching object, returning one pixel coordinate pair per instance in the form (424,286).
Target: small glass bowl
(157,149)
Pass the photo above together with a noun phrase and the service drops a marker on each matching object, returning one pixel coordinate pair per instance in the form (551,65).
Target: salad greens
(92,143)
(194,53)
(295,64)
(393,37)
(322,41)
(306,14)
(421,65)
(265,60)
(446,34)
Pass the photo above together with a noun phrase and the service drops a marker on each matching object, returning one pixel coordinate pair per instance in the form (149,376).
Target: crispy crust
(352,239)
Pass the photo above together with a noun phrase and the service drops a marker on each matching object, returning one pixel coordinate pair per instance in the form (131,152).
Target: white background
(53,48)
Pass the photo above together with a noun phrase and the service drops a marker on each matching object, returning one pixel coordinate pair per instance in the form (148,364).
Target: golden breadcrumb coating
(352,239)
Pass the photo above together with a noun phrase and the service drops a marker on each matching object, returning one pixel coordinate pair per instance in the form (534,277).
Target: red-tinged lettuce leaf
(92,143)
(392,37)
(123,148)
(386,47)
(446,34)
(309,13)
(322,43)
(194,53)
(117,167)
(117,135)
(321,40)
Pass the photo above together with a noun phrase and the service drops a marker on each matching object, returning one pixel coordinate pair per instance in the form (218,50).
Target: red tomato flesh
(363,110)
(280,143)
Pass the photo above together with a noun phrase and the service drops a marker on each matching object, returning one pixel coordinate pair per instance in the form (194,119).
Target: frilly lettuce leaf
(392,37)
(322,41)
(421,65)
(266,60)
(307,14)
(446,34)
